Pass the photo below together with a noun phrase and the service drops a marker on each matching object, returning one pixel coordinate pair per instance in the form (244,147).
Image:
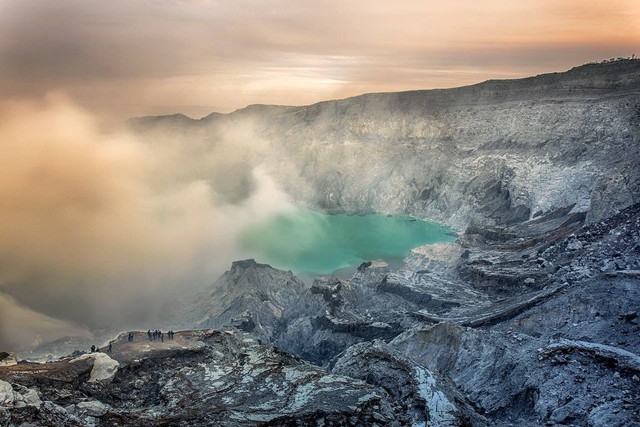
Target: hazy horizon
(127,59)
(175,113)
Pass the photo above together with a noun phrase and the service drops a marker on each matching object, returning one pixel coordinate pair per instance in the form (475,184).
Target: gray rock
(424,398)
(17,395)
(6,394)
(251,291)
(90,408)
(574,245)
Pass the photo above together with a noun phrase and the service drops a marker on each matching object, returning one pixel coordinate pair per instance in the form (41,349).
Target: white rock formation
(104,367)
(18,399)
(6,394)
(9,360)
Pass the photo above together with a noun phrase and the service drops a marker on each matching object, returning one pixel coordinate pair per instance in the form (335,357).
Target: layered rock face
(498,152)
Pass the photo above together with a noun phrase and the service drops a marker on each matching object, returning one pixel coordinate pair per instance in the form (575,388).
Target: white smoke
(98,228)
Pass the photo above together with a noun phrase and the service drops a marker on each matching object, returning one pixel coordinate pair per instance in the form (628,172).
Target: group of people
(154,335)
(96,349)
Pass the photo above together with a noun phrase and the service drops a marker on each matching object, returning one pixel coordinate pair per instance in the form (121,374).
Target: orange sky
(123,58)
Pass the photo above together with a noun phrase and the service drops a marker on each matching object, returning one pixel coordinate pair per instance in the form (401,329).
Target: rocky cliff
(497,152)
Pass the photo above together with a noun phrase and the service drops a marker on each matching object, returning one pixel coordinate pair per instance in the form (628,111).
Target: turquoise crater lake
(311,242)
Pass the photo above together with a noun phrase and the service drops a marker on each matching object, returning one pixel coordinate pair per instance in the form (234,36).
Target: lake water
(310,242)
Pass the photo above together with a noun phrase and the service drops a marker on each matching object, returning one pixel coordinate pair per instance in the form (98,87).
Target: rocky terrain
(529,318)
(204,377)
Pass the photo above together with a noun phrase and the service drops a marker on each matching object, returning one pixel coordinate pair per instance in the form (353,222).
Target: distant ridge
(616,67)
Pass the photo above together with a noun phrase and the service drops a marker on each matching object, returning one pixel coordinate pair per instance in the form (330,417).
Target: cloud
(126,58)
(21,327)
(99,228)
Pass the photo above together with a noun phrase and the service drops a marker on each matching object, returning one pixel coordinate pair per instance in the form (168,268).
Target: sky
(124,58)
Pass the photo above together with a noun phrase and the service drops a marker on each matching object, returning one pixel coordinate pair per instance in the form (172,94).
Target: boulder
(7,359)
(104,367)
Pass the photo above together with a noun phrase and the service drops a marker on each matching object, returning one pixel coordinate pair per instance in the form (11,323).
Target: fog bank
(99,229)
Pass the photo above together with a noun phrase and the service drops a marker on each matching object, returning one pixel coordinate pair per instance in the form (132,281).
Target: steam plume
(99,228)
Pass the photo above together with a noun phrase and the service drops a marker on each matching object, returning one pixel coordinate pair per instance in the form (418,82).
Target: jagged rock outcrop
(623,359)
(250,295)
(565,354)
(18,397)
(510,379)
(424,398)
(7,359)
(376,304)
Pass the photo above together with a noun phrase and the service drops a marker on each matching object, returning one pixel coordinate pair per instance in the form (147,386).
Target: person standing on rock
(130,337)
(110,348)
(93,349)
(161,337)
(149,334)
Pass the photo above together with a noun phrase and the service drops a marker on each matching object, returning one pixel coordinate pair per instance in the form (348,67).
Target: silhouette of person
(93,349)
(110,348)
